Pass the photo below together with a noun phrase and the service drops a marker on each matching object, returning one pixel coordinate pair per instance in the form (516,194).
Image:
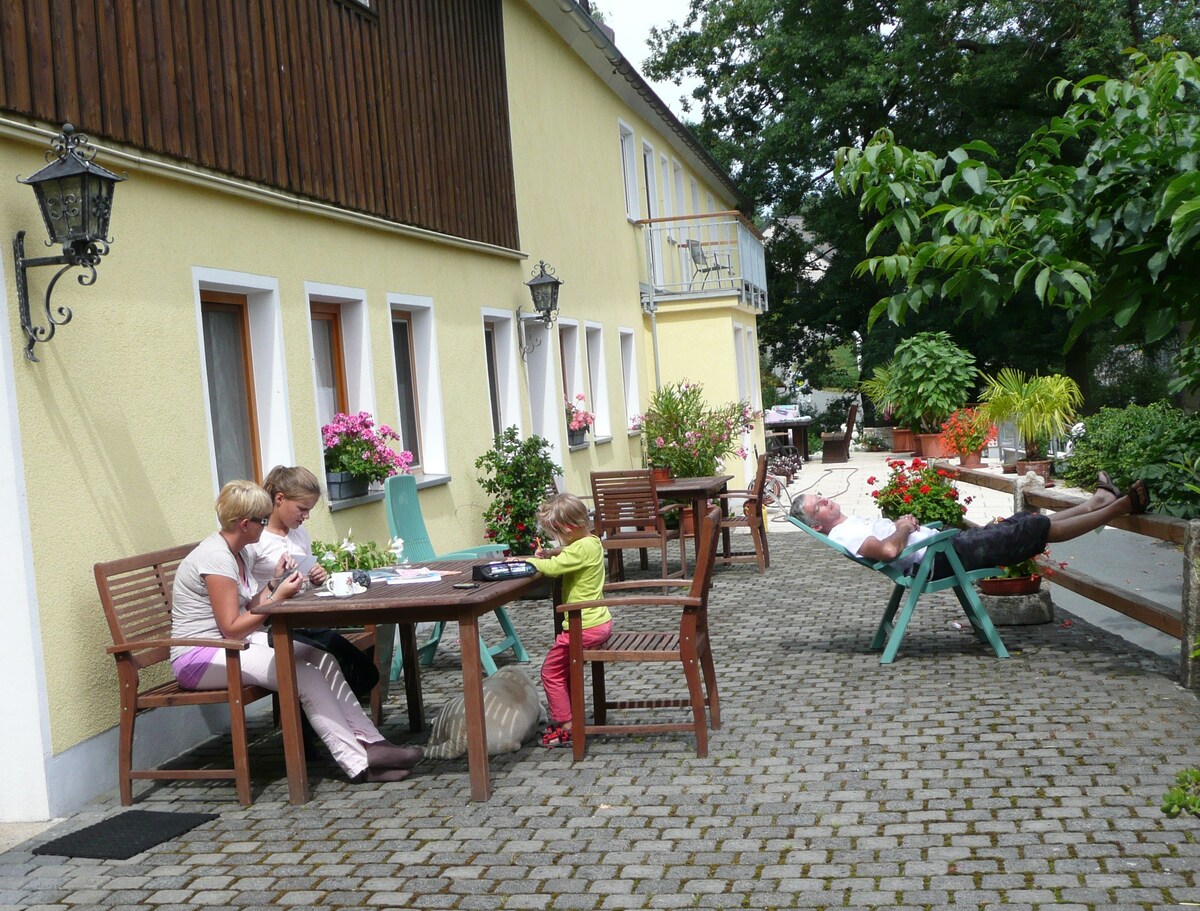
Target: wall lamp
(75,196)
(543,288)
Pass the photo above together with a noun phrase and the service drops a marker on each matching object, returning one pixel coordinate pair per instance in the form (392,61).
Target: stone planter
(344,486)
(1018,610)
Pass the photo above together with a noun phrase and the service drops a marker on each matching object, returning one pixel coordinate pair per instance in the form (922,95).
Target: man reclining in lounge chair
(1002,543)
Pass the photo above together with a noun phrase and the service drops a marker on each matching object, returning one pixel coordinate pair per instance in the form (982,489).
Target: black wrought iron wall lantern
(75,196)
(543,288)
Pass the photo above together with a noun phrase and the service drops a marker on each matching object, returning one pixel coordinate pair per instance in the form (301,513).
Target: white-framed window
(545,393)
(677,173)
(570,366)
(629,376)
(628,169)
(341,350)
(597,380)
(418,382)
(500,355)
(664,166)
(240,335)
(652,210)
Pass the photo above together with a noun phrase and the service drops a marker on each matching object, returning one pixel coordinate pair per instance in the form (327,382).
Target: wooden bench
(136,595)
(835,447)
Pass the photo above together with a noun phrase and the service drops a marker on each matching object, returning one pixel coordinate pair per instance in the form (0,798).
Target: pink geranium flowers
(355,445)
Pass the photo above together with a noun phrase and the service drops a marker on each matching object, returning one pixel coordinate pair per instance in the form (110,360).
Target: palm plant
(1041,407)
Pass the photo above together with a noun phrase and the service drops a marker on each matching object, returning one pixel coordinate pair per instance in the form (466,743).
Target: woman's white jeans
(328,701)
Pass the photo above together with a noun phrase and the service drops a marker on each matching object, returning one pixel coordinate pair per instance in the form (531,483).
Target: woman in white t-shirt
(294,493)
(212,597)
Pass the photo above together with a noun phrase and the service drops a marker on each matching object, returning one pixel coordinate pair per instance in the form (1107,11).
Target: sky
(632,20)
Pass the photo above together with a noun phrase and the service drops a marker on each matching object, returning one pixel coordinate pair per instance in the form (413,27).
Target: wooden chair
(752,515)
(688,644)
(628,515)
(835,447)
(406,521)
(136,595)
(891,629)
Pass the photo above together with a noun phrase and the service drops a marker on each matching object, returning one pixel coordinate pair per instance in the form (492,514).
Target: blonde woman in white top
(213,594)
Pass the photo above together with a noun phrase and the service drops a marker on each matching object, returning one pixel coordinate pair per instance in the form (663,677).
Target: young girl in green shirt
(579,560)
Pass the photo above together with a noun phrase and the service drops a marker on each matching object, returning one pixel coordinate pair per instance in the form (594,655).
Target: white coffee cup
(340,584)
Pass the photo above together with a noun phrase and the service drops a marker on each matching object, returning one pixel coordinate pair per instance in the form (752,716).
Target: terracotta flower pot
(1039,467)
(1023,585)
(929,446)
(660,475)
(971,459)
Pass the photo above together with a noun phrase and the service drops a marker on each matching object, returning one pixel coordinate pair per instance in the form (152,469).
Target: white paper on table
(411,575)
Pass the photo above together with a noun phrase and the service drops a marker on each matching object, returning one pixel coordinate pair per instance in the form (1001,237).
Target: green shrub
(1140,441)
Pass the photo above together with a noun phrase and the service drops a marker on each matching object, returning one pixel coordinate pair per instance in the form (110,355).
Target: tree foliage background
(784,83)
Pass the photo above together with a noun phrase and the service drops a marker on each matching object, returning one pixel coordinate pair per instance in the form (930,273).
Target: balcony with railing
(704,256)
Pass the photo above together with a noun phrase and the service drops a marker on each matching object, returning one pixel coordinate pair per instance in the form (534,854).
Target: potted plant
(965,433)
(682,434)
(880,390)
(1041,407)
(357,453)
(579,419)
(930,378)
(518,474)
(919,489)
(1022,578)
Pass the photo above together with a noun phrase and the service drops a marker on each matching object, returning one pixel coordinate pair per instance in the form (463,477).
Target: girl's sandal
(1104,482)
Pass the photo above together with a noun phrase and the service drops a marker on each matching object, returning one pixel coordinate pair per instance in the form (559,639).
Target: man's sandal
(1104,482)
(1139,498)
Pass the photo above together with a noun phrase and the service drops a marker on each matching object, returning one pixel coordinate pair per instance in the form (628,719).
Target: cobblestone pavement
(950,779)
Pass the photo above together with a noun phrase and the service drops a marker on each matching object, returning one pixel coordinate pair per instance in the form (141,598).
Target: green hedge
(1140,441)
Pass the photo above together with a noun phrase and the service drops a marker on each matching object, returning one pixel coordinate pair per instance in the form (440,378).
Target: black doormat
(124,835)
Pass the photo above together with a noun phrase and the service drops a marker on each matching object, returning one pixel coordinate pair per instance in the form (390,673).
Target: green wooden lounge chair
(892,628)
(406,521)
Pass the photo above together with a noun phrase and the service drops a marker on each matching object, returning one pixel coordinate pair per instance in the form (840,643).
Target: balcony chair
(406,521)
(702,264)
(628,515)
(835,447)
(687,644)
(751,515)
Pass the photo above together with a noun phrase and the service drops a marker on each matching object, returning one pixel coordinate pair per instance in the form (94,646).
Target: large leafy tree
(784,83)
(1100,217)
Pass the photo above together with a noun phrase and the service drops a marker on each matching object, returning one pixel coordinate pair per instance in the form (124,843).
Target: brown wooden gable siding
(401,112)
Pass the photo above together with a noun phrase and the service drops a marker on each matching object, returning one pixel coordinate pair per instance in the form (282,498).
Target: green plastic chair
(891,630)
(406,521)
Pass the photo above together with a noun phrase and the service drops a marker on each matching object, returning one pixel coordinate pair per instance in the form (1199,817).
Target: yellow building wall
(116,448)
(114,439)
(571,204)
